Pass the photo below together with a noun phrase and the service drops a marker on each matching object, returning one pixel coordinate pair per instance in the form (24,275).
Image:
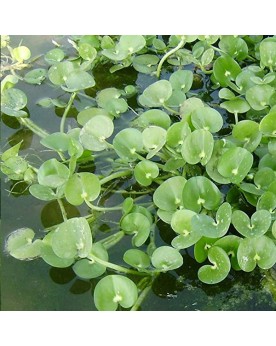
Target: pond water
(34,285)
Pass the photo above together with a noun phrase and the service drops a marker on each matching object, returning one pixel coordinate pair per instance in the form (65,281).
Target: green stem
(170,109)
(62,209)
(236,117)
(115,175)
(141,298)
(112,240)
(95,207)
(33,127)
(169,53)
(116,267)
(62,122)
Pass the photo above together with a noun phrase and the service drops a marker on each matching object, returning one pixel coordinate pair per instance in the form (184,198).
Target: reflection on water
(35,286)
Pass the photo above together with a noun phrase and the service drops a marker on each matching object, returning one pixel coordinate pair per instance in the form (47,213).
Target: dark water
(34,285)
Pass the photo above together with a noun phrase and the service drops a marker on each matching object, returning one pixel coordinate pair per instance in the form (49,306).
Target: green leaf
(131,43)
(235,163)
(137,224)
(208,227)
(274,229)
(12,101)
(54,56)
(88,268)
(156,94)
(154,117)
(257,251)
(268,124)
(258,96)
(247,131)
(207,57)
(181,224)
(82,186)
(21,53)
(72,238)
(78,80)
(168,196)
(254,228)
(166,258)
(59,72)
(145,63)
(181,80)
(207,118)
(41,192)
(11,152)
(268,52)
(113,290)
(14,167)
(88,113)
(87,52)
(188,106)
(226,94)
(267,202)
(200,192)
(220,268)
(212,165)
(235,105)
(127,143)
(95,131)
(198,147)
(56,141)
(48,255)
(225,69)
(52,173)
(176,134)
(202,247)
(230,244)
(234,46)
(8,82)
(20,245)
(154,138)
(145,171)
(35,76)
(137,259)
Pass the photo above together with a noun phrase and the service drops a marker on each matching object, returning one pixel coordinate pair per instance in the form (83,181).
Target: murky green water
(33,285)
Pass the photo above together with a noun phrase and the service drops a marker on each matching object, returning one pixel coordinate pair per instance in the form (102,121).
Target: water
(34,285)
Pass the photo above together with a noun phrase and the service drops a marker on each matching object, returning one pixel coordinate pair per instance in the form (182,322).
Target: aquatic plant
(215,189)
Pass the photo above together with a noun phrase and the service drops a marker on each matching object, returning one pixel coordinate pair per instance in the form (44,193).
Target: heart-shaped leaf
(234,46)
(235,163)
(208,227)
(145,171)
(259,96)
(88,268)
(156,94)
(113,290)
(127,143)
(181,224)
(166,258)
(254,228)
(168,196)
(177,133)
(137,259)
(95,131)
(48,255)
(198,147)
(230,244)
(72,238)
(200,192)
(182,80)
(268,52)
(256,251)
(268,124)
(78,80)
(82,186)
(12,101)
(154,117)
(247,131)
(212,165)
(52,173)
(202,247)
(59,72)
(137,224)
(220,268)
(21,53)
(20,245)
(154,138)
(207,118)
(225,69)
(267,202)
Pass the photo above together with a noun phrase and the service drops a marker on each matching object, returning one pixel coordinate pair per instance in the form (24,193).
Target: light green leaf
(52,173)
(166,258)
(156,94)
(137,259)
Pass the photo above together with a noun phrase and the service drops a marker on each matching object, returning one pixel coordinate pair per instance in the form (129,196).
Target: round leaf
(154,117)
(82,186)
(137,259)
(12,101)
(166,258)
(247,131)
(200,192)
(154,138)
(138,224)
(52,173)
(44,193)
(259,96)
(225,69)
(213,274)
(35,76)
(156,94)
(145,171)
(127,143)
(235,163)
(268,124)
(113,290)
(182,80)
(207,118)
(21,53)
(54,55)
(230,244)
(57,141)
(168,196)
(258,251)
(78,80)
(72,238)
(198,147)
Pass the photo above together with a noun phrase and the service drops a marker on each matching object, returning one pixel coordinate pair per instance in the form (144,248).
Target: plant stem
(62,122)
(116,267)
(169,53)
(114,176)
(140,299)
(170,109)
(33,127)
(95,207)
(62,209)
(236,117)
(112,240)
